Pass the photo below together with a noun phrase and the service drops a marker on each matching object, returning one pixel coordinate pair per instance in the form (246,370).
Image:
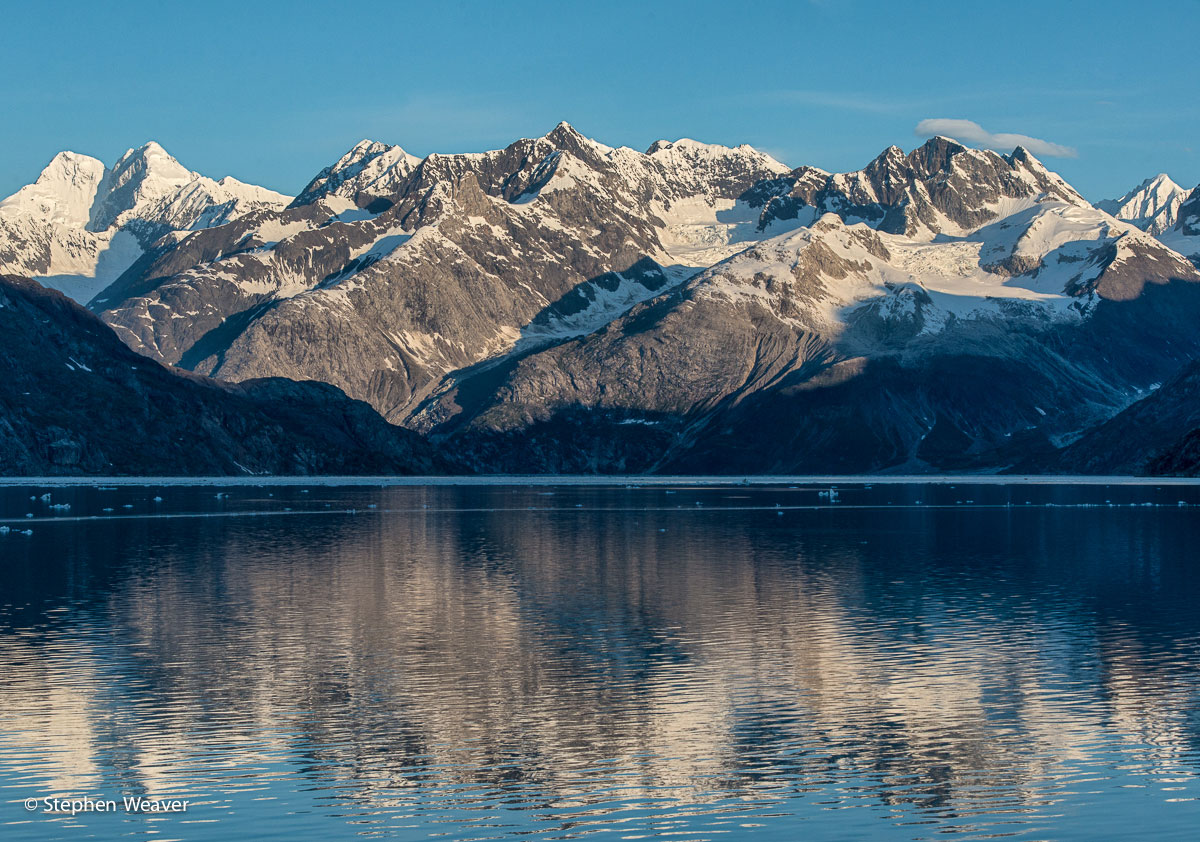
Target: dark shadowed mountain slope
(75,400)
(1158,435)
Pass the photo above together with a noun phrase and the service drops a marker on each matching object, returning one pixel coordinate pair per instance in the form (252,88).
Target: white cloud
(971,132)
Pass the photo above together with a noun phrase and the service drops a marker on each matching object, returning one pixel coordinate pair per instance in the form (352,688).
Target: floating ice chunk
(26,531)
(4,530)
(45,498)
(157,499)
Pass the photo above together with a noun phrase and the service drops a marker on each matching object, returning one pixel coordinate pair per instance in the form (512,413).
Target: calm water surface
(906,662)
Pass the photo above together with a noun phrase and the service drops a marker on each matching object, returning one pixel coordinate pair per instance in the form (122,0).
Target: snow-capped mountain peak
(81,224)
(369,168)
(63,193)
(567,137)
(1152,206)
(693,153)
(140,176)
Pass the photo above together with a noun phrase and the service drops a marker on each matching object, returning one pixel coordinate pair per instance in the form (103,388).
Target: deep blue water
(905,662)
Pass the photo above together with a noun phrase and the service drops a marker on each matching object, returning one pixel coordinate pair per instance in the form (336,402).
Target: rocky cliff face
(75,400)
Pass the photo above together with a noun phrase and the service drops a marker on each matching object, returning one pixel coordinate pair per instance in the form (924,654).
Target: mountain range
(565,306)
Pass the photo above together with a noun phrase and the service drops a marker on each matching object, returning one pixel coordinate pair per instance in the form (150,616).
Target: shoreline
(634,481)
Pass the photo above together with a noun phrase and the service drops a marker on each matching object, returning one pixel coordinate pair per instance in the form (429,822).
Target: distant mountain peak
(81,224)
(686,144)
(567,138)
(63,192)
(935,154)
(364,167)
(1152,206)
(150,157)
(695,152)
(141,175)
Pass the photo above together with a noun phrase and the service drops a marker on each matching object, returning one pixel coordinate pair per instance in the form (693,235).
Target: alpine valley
(564,306)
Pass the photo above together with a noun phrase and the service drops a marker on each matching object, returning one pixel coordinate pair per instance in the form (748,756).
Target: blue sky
(269,92)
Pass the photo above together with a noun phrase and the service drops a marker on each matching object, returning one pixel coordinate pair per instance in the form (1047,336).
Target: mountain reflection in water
(491,662)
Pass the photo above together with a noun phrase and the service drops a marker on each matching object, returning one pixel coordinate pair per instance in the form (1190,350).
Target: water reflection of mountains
(957,661)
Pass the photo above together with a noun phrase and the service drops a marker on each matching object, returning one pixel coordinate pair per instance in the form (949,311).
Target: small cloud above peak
(968,131)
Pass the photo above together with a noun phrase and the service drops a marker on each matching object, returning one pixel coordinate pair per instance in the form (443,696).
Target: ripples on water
(909,662)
